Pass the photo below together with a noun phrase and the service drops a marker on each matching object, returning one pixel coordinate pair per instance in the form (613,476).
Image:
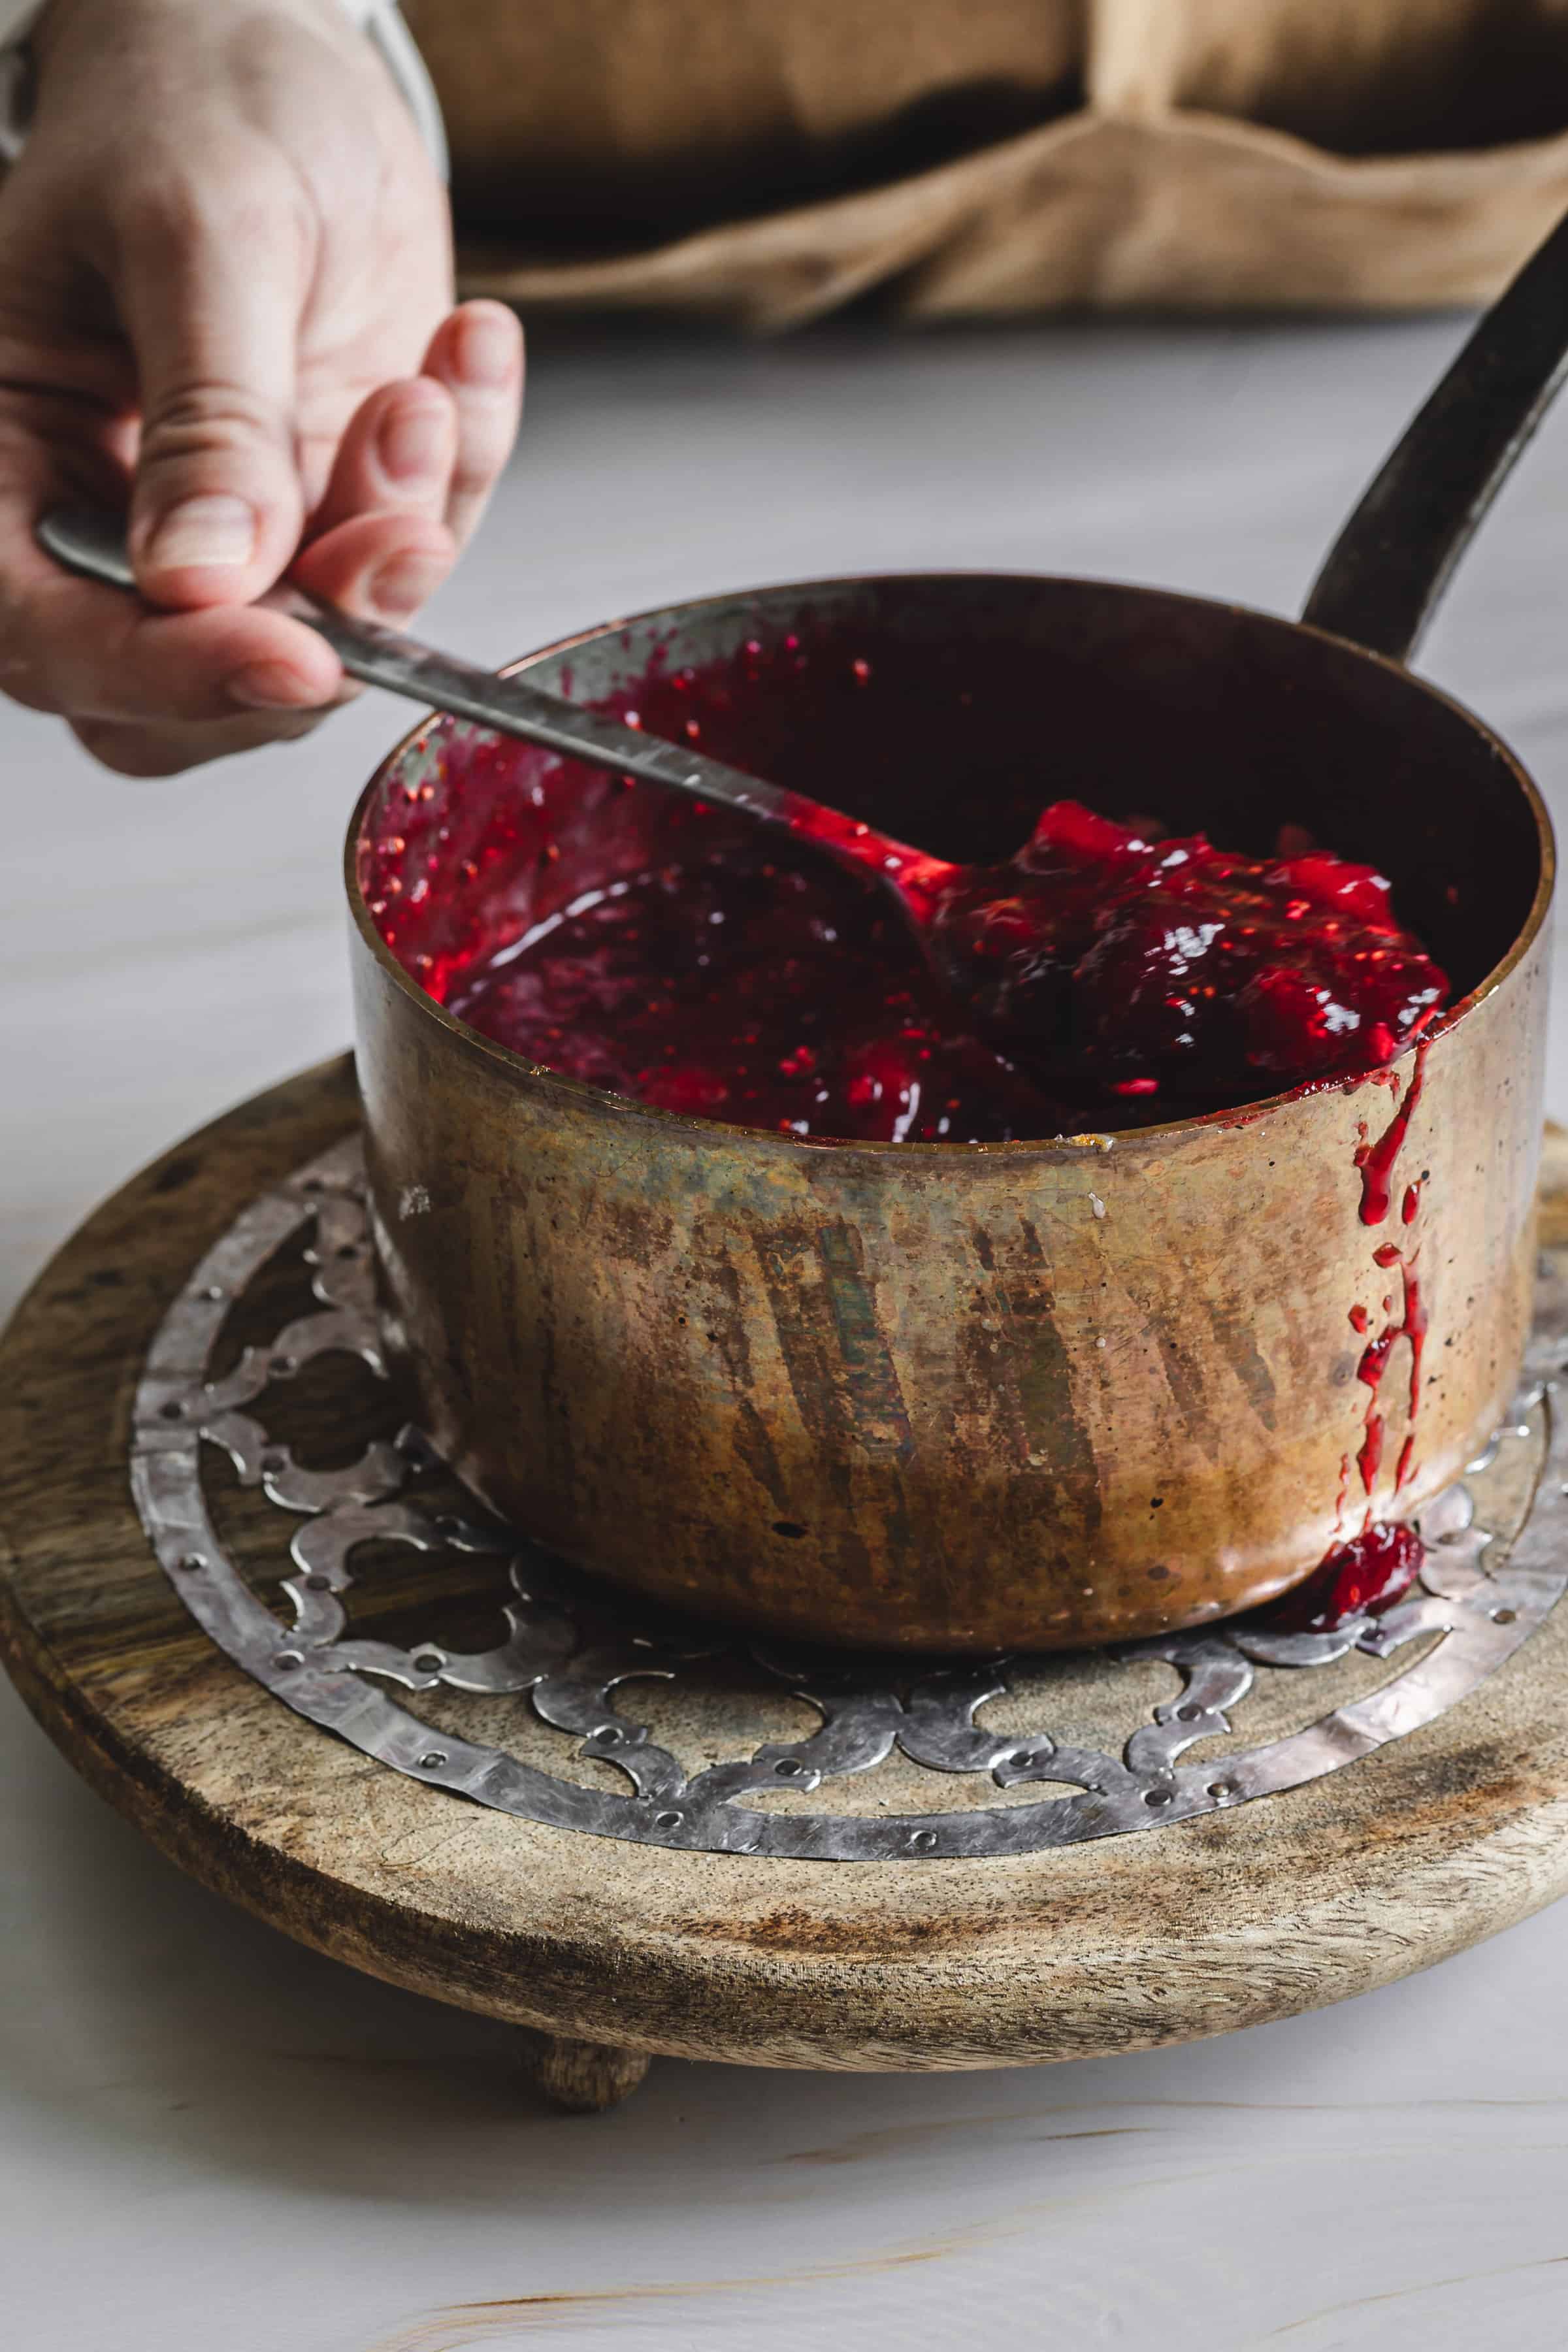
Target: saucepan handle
(1385,574)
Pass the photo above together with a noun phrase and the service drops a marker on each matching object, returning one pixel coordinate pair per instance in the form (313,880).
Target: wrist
(64,29)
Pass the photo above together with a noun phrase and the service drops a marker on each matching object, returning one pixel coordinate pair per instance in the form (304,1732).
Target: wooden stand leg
(581,2077)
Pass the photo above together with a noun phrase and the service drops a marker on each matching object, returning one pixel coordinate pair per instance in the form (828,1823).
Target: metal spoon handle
(1382,579)
(93,544)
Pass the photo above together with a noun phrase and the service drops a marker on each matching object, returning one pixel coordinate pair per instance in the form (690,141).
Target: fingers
(378,546)
(94,654)
(476,353)
(152,691)
(216,506)
(383,566)
(380,567)
(147,752)
(395,458)
(435,445)
(210,301)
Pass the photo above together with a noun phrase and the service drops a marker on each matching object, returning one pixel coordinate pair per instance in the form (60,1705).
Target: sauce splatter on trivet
(1367,1575)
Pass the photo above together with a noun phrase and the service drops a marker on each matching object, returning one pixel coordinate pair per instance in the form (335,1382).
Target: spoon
(92,543)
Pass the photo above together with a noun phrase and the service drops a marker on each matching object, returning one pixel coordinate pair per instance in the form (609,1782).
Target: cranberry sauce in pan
(1109,978)
(1199,921)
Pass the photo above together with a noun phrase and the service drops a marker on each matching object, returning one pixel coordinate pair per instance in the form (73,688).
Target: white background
(213,2141)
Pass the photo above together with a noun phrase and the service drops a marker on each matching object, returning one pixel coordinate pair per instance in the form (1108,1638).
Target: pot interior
(949,710)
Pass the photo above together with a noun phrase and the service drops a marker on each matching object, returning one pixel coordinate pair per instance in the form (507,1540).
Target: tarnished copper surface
(958,1397)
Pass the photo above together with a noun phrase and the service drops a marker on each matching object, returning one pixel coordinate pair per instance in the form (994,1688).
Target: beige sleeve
(772,159)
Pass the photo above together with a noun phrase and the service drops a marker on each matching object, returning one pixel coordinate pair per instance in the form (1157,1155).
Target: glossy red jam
(757,988)
(1170,966)
(1105,978)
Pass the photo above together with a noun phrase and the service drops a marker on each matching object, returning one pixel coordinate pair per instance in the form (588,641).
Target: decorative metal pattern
(567,1657)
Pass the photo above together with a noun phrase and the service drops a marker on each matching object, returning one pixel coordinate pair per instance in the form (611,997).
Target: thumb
(213,321)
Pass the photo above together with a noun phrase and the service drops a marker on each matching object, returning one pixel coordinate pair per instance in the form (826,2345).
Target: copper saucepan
(956,1397)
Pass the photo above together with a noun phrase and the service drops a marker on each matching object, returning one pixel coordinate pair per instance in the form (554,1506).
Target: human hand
(225,303)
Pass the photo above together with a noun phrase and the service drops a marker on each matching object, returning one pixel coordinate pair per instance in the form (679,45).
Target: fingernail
(413,439)
(400,587)
(270,685)
(487,350)
(218,530)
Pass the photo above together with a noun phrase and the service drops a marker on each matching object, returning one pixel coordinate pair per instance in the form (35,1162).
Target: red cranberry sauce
(1108,979)
(1171,969)
(752,986)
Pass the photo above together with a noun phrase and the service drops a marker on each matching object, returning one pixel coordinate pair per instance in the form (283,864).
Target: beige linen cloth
(771,160)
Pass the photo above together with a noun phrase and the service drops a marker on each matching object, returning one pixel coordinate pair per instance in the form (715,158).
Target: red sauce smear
(1105,978)
(1411,1326)
(1376,1161)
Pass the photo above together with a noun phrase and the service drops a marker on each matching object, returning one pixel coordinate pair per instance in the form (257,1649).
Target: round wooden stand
(609,1951)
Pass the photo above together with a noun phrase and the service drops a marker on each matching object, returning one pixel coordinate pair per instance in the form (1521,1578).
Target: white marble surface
(209,2137)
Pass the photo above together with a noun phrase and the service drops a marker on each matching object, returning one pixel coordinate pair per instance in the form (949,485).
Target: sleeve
(381,20)
(17,18)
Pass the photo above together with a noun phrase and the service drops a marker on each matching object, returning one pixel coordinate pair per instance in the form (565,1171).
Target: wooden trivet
(610,1947)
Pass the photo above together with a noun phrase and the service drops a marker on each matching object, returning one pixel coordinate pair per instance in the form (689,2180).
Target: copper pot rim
(601,1102)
